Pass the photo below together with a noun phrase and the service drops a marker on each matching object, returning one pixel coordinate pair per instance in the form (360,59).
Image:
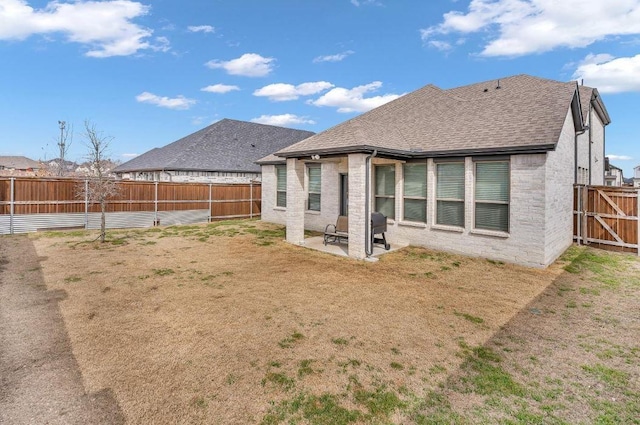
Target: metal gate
(607,217)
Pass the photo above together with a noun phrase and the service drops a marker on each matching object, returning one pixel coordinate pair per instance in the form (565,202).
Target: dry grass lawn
(227,324)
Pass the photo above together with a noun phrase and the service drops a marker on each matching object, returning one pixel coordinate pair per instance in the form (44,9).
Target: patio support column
(357,199)
(295,201)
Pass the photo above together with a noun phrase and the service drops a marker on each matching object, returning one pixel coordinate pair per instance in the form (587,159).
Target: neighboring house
(484,170)
(612,174)
(636,176)
(224,152)
(18,166)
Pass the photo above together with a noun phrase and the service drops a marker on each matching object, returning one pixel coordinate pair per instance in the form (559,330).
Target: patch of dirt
(196,327)
(40,381)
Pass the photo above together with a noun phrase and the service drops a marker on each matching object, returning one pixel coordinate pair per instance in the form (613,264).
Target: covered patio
(342,249)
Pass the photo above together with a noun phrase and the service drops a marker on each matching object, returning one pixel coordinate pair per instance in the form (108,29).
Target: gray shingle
(525,112)
(227,145)
(18,163)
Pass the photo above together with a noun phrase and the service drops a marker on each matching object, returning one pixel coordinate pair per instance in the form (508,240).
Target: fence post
(250,198)
(580,210)
(155,206)
(11,205)
(210,203)
(86,204)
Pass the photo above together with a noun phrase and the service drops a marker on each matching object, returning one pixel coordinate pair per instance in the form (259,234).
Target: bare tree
(100,187)
(66,138)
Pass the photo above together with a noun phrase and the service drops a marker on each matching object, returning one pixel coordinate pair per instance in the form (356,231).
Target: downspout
(590,142)
(368,246)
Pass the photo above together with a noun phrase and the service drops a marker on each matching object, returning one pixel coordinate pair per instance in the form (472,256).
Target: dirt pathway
(40,382)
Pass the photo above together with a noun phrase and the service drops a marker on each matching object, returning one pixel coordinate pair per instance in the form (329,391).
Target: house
(18,166)
(613,175)
(483,170)
(224,152)
(636,176)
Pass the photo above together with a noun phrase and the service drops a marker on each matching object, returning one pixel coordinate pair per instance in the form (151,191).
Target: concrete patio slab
(342,249)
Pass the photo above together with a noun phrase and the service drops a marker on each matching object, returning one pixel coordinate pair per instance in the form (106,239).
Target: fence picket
(32,197)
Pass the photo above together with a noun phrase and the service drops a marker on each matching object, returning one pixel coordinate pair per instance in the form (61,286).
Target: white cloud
(609,74)
(333,58)
(248,65)
(201,28)
(106,27)
(520,27)
(440,45)
(353,100)
(280,92)
(282,120)
(129,155)
(619,157)
(359,3)
(179,102)
(220,88)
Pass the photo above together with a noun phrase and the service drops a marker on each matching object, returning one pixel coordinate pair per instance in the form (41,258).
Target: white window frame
(491,202)
(462,200)
(278,192)
(309,191)
(406,197)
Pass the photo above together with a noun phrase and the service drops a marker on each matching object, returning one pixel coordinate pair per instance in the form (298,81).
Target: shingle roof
(18,162)
(590,96)
(227,145)
(519,113)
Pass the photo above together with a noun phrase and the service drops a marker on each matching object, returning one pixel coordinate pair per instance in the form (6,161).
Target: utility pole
(62,148)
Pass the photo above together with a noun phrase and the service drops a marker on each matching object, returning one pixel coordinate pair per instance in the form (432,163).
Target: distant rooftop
(228,145)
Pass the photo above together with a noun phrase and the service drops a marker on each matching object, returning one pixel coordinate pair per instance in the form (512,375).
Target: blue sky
(148,73)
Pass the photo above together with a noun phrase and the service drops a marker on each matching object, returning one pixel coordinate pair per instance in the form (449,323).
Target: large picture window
(314,188)
(415,192)
(450,194)
(385,190)
(492,195)
(281,186)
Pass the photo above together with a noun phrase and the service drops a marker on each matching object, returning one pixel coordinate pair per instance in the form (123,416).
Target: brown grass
(187,326)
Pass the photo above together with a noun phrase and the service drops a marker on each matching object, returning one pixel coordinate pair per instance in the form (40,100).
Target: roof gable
(520,113)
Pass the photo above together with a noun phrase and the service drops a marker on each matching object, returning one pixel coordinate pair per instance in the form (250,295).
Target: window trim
(482,230)
(415,198)
(375,189)
(462,201)
(279,167)
(309,192)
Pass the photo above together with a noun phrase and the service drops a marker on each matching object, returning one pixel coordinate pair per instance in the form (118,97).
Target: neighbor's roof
(19,162)
(227,145)
(515,114)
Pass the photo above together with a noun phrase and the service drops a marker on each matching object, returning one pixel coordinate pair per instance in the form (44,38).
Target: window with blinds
(450,193)
(281,186)
(314,187)
(415,192)
(492,195)
(385,190)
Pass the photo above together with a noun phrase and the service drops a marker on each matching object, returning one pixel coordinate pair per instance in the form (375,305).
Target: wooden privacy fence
(37,197)
(607,217)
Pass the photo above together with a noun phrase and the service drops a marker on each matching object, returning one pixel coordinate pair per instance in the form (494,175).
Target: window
(281,186)
(415,192)
(450,193)
(385,190)
(314,189)
(492,195)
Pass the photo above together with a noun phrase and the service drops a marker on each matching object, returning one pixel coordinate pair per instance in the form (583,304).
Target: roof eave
(601,110)
(400,154)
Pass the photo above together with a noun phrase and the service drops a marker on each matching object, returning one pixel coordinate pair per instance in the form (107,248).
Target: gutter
(400,154)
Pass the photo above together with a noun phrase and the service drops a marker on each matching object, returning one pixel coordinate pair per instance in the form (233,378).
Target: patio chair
(338,232)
